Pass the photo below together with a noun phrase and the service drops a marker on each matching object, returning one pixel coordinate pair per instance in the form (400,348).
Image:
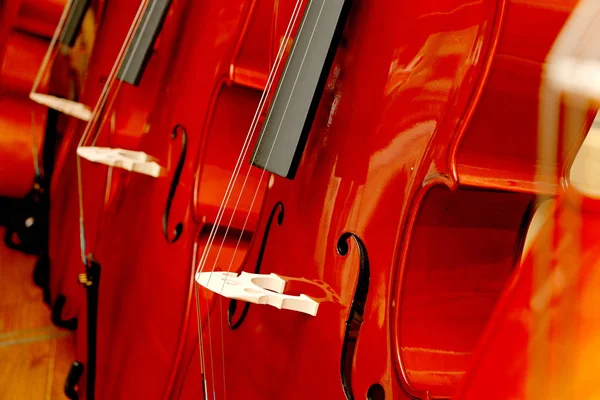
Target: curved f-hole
(376,392)
(276,211)
(357,309)
(179,227)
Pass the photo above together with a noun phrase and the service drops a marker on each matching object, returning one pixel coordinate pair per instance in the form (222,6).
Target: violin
(402,175)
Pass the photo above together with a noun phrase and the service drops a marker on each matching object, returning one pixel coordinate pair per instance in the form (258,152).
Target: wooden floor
(34,355)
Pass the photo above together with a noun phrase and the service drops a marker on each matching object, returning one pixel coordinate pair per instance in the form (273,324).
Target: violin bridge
(68,107)
(256,289)
(134,161)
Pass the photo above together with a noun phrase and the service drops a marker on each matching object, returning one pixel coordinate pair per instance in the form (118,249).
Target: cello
(127,121)
(407,208)
(28,136)
(225,84)
(116,102)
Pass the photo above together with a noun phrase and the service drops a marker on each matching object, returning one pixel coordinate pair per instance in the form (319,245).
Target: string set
(100,110)
(253,127)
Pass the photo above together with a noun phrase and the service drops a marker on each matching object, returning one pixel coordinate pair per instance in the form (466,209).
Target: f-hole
(276,211)
(376,392)
(165,224)
(357,309)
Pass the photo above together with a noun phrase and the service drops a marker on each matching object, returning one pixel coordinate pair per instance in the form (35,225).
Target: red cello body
(406,218)
(541,341)
(498,168)
(25,29)
(65,261)
(407,214)
(214,88)
(128,118)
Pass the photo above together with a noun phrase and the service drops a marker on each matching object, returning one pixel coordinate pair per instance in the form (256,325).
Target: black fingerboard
(73,22)
(291,114)
(140,48)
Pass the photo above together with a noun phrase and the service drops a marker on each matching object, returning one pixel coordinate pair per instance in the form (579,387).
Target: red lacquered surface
(39,17)
(22,127)
(23,123)
(23,25)
(126,119)
(125,122)
(543,339)
(383,161)
(65,260)
(204,97)
(447,301)
(20,63)
(34,17)
(495,153)
(424,146)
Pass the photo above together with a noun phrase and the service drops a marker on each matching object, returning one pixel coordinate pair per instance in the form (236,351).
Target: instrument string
(279,59)
(263,170)
(257,188)
(40,73)
(127,65)
(233,179)
(244,150)
(201,342)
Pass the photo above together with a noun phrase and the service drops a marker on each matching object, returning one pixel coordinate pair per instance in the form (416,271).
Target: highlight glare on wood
(134,161)
(257,289)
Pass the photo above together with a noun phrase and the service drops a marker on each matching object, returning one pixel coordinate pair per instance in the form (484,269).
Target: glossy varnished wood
(34,355)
